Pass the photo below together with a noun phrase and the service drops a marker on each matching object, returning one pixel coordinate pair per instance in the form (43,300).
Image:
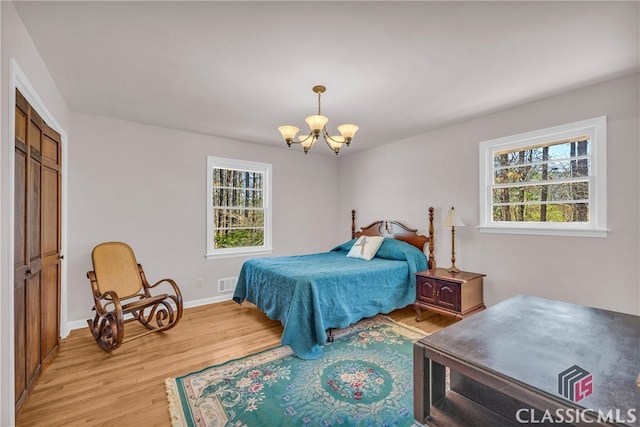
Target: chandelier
(317,125)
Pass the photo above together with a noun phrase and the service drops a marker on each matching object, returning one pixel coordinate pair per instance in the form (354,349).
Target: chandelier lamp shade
(453,220)
(317,123)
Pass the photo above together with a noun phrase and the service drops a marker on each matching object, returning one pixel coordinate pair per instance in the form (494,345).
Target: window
(551,181)
(238,207)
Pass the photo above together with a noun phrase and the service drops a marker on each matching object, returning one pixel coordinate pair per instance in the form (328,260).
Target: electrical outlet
(199,283)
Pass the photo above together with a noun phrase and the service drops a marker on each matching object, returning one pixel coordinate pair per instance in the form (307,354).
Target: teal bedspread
(309,294)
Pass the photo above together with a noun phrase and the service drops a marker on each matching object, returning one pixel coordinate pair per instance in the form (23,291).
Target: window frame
(243,165)
(597,224)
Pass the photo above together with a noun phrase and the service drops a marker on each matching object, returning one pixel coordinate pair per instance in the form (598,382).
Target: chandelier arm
(293,141)
(327,136)
(335,150)
(338,144)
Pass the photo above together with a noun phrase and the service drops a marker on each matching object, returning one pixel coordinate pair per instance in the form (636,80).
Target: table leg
(421,390)
(429,384)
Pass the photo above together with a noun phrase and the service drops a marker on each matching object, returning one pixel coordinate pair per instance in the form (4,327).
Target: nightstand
(453,294)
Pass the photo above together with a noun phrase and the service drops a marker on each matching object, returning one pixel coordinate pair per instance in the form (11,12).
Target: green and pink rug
(364,378)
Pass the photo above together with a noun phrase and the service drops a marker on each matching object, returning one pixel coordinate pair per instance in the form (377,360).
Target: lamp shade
(335,142)
(317,122)
(307,141)
(452,219)
(348,130)
(288,132)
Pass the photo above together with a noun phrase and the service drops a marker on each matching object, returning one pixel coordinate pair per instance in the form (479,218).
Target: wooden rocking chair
(120,289)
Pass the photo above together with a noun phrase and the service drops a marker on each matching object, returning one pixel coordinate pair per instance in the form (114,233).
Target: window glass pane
(235,197)
(569,169)
(237,178)
(234,218)
(550,212)
(553,170)
(239,237)
(568,149)
(565,191)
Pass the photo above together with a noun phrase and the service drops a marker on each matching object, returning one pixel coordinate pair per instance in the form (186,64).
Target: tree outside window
(548,183)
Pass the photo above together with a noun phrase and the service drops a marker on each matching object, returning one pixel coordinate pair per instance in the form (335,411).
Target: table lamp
(453,220)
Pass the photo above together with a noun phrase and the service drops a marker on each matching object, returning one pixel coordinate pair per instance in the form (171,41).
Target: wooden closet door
(50,245)
(36,248)
(21,264)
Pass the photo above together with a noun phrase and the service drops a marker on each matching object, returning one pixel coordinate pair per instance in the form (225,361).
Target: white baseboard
(205,301)
(79,324)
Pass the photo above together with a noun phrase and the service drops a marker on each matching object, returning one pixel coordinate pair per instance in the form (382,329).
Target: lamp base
(453,269)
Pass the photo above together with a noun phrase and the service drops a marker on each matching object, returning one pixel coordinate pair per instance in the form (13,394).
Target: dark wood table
(518,361)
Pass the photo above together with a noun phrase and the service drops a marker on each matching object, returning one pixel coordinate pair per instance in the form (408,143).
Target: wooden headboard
(399,231)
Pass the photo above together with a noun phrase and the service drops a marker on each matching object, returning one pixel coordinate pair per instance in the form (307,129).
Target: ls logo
(575,383)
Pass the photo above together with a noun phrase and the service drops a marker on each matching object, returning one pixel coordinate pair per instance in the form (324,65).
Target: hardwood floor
(85,386)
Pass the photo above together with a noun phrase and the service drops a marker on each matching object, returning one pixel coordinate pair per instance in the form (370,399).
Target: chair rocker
(121,295)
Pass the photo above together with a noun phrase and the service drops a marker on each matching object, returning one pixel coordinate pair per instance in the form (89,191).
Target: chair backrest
(116,269)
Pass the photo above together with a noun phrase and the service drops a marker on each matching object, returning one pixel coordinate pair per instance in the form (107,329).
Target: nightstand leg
(418,311)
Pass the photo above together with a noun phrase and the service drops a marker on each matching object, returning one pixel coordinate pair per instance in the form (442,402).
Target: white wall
(17,45)
(146,186)
(440,169)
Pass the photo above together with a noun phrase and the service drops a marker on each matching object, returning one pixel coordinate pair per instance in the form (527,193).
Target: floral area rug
(364,378)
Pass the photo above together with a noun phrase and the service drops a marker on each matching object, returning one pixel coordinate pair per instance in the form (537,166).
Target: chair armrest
(171,282)
(106,299)
(146,285)
(110,297)
(177,297)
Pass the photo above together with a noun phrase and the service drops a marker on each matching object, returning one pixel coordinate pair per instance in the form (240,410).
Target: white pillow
(365,247)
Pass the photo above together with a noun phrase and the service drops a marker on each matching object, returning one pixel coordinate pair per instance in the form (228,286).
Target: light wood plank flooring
(85,386)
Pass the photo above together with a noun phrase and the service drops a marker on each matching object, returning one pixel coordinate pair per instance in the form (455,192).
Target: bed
(311,294)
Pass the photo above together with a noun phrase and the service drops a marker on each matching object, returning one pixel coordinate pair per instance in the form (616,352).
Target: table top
(443,273)
(532,341)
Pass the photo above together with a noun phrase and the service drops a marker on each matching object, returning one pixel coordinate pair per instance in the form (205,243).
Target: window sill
(249,253)
(544,231)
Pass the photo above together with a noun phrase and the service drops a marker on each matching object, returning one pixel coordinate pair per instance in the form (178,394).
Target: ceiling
(397,69)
